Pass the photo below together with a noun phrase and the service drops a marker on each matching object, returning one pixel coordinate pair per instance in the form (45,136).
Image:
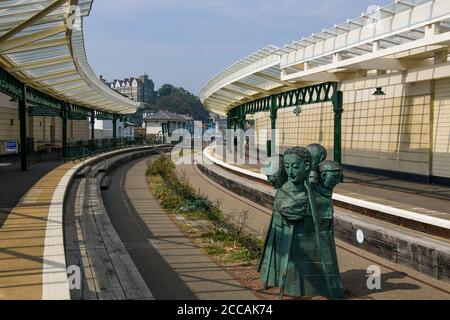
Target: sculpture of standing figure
(299,258)
(330,174)
(319,154)
(276,175)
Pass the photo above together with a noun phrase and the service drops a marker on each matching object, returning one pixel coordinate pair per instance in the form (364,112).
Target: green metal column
(114,126)
(163,130)
(92,125)
(273,118)
(114,131)
(338,107)
(241,118)
(241,126)
(229,136)
(64,129)
(23,129)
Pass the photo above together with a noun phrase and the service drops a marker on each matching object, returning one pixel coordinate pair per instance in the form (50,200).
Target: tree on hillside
(177,100)
(165,90)
(182,101)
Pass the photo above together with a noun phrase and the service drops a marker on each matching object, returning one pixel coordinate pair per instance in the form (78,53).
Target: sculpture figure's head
(319,154)
(276,175)
(330,174)
(298,164)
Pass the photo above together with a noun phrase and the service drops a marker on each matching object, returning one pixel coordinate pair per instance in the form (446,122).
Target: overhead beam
(219,99)
(236,92)
(224,97)
(55,75)
(30,21)
(26,40)
(322,77)
(37,45)
(273,79)
(74,89)
(39,64)
(390,64)
(217,106)
(60,83)
(250,87)
(84,96)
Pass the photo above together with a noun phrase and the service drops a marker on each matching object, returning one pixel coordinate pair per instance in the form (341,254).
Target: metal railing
(82,149)
(42,151)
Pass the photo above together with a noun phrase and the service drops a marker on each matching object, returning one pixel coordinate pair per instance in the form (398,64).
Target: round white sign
(360,236)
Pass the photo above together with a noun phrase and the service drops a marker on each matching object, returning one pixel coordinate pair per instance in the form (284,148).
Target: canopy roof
(402,36)
(42,45)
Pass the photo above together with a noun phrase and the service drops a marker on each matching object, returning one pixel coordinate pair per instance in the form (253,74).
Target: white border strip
(54,273)
(442,223)
(54,276)
(208,155)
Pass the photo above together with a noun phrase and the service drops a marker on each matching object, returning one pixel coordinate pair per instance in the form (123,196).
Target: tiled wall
(263,128)
(441,129)
(78,130)
(9,121)
(40,128)
(392,133)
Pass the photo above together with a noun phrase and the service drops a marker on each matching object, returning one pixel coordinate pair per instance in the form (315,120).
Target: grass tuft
(228,241)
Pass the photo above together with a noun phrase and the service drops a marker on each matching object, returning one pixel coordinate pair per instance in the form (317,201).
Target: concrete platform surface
(173,267)
(23,236)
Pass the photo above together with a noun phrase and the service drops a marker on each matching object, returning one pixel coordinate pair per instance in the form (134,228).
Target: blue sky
(186,42)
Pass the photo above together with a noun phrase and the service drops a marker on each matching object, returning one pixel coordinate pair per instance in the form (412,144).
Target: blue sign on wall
(11,146)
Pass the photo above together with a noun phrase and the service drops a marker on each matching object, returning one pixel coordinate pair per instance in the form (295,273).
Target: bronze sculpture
(276,175)
(319,154)
(300,255)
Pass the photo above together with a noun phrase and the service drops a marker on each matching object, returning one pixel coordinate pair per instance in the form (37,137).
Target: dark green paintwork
(319,93)
(299,256)
(37,103)
(23,129)
(64,117)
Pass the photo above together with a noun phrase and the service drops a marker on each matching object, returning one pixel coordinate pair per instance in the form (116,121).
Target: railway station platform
(32,249)
(405,223)
(64,219)
(399,281)
(422,207)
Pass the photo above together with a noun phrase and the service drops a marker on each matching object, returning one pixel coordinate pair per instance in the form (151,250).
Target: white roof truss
(42,47)
(400,36)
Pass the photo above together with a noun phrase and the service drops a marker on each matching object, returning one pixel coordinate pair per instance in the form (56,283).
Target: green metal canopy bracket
(319,93)
(10,86)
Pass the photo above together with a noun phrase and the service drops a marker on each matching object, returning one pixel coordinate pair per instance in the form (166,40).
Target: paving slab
(173,267)
(22,239)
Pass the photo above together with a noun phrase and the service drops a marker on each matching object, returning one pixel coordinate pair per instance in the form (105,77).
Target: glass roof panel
(39,54)
(40,60)
(61,79)
(41,71)
(36,28)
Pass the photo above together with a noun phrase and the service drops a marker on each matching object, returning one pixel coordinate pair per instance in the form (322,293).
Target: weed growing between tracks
(220,238)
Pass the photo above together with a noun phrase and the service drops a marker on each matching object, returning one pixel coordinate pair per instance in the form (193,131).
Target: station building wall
(441,129)
(9,121)
(78,130)
(44,130)
(407,131)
